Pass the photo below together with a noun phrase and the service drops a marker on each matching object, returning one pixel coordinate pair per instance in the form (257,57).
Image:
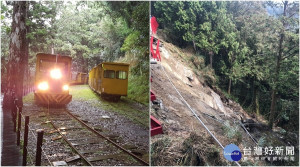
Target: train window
(121,75)
(46,65)
(109,74)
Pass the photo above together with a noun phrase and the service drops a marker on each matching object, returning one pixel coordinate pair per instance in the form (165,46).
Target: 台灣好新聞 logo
(232,152)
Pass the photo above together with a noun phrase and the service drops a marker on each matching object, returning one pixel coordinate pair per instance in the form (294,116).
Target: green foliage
(130,41)
(232,132)
(138,88)
(229,96)
(197,23)
(39,29)
(135,46)
(85,31)
(5,33)
(198,61)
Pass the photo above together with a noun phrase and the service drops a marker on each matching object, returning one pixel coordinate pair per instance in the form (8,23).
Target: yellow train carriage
(92,80)
(110,80)
(52,78)
(81,78)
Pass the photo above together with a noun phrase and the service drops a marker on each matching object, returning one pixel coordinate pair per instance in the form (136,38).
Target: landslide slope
(185,141)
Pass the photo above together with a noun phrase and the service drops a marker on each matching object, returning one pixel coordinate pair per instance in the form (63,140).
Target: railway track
(94,148)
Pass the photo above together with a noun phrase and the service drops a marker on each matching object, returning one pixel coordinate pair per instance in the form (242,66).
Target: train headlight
(43,86)
(65,87)
(55,74)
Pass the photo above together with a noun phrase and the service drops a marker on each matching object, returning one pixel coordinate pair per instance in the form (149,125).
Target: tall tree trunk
(82,64)
(230,80)
(86,65)
(194,45)
(280,50)
(245,92)
(26,68)
(257,102)
(272,109)
(210,58)
(252,104)
(229,86)
(17,55)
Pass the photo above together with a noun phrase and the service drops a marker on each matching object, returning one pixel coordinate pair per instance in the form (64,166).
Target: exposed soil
(181,129)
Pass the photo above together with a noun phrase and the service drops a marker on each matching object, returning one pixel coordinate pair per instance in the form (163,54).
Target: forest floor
(126,119)
(184,140)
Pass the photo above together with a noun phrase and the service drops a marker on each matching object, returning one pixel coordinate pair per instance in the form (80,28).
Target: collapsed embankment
(185,141)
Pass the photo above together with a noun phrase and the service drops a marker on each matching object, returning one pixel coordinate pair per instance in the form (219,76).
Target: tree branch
(287,56)
(288,52)
(292,14)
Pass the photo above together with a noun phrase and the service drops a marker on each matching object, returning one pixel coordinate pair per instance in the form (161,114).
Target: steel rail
(70,144)
(112,142)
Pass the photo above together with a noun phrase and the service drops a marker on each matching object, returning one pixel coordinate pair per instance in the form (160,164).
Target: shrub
(232,132)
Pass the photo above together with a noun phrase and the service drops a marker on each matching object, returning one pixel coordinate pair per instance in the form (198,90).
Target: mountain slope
(185,141)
